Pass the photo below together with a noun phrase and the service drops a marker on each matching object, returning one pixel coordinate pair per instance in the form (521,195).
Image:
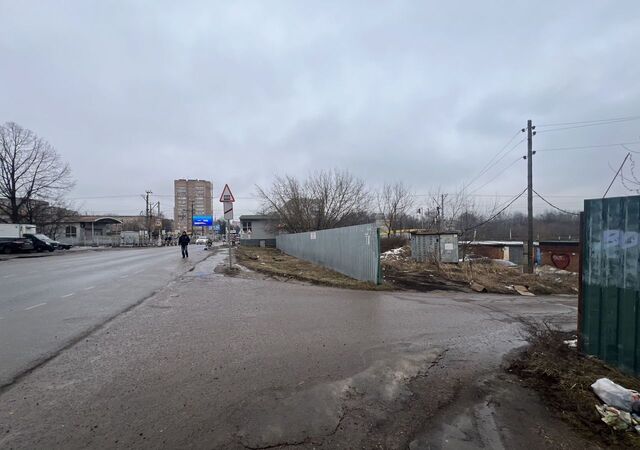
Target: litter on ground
(621,405)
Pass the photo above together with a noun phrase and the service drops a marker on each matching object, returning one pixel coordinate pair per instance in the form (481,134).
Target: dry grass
(403,271)
(275,263)
(563,378)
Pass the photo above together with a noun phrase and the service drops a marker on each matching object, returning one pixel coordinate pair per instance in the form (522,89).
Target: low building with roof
(259,230)
(90,230)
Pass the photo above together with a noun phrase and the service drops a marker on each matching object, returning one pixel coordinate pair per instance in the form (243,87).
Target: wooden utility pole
(442,212)
(148,215)
(530,250)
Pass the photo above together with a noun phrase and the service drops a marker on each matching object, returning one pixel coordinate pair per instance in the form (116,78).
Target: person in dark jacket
(184,242)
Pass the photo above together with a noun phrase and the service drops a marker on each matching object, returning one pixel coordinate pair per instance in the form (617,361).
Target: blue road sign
(202,221)
(216,227)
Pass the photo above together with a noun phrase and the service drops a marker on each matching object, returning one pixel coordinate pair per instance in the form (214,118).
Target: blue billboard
(202,221)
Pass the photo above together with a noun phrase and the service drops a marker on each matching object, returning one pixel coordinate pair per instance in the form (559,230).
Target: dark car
(41,242)
(62,246)
(15,245)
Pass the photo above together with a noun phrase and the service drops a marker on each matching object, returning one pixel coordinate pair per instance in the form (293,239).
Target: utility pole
(530,153)
(442,197)
(148,214)
(191,217)
(160,227)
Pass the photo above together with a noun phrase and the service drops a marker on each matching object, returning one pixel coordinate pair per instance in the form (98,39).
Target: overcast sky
(135,94)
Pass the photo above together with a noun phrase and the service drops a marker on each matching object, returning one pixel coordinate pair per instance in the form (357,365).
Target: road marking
(139,271)
(124,276)
(68,295)
(34,306)
(8,276)
(89,288)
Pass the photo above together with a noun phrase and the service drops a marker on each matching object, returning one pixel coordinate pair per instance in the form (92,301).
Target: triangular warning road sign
(226,195)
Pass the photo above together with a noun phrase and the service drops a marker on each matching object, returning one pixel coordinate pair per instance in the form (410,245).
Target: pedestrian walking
(184,243)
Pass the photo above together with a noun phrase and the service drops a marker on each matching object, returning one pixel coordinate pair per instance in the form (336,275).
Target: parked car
(42,242)
(15,245)
(62,246)
(202,240)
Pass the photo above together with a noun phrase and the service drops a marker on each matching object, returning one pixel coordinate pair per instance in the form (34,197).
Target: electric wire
(498,213)
(597,121)
(578,126)
(554,206)
(496,176)
(581,147)
(487,166)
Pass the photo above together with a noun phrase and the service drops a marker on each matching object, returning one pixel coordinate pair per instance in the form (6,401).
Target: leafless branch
(31,171)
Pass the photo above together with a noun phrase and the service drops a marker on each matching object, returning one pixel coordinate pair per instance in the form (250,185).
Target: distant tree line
(330,199)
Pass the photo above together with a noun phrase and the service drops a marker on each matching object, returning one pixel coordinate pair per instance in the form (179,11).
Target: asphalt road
(242,362)
(47,303)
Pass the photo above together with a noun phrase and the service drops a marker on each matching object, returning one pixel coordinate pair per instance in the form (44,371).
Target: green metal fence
(609,315)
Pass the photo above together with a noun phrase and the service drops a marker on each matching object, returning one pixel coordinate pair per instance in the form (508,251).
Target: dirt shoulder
(562,377)
(400,272)
(403,272)
(273,262)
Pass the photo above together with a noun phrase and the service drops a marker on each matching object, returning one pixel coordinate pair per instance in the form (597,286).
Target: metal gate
(609,311)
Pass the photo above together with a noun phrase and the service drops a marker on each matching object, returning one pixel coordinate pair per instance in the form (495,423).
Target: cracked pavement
(213,361)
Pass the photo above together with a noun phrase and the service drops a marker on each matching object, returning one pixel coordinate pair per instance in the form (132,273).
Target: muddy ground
(400,270)
(562,377)
(279,265)
(214,361)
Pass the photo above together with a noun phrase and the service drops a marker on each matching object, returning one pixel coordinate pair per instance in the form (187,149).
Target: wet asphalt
(47,303)
(213,361)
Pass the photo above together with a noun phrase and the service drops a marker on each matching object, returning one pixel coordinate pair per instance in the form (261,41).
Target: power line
(100,197)
(612,120)
(499,212)
(487,166)
(104,197)
(554,206)
(613,144)
(616,175)
(497,175)
(581,126)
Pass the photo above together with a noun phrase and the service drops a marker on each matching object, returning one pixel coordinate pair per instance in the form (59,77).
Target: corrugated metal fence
(610,304)
(353,251)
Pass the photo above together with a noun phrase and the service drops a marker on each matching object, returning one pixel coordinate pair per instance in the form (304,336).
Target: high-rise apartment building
(192,198)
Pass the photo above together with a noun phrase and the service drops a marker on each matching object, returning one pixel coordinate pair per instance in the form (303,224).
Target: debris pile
(396,254)
(621,406)
(484,275)
(564,378)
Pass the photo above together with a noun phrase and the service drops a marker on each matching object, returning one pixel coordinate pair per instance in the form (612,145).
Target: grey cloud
(134,95)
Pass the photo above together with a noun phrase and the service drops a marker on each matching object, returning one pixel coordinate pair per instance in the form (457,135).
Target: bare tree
(394,202)
(326,199)
(30,170)
(48,216)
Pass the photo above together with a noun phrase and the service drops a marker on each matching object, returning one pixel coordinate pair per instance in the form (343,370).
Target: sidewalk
(226,362)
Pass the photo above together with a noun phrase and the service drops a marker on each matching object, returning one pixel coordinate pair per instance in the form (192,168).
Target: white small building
(258,230)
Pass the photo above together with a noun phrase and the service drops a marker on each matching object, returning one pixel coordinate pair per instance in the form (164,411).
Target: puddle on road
(280,417)
(207,267)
